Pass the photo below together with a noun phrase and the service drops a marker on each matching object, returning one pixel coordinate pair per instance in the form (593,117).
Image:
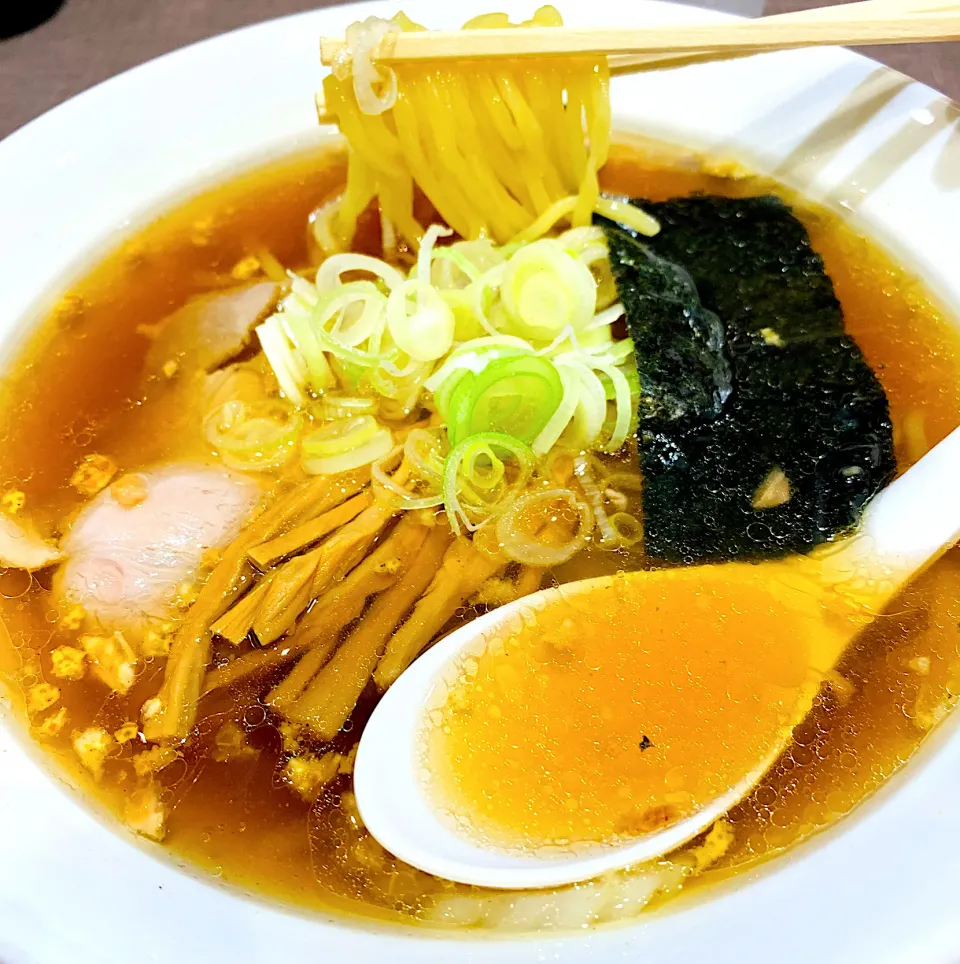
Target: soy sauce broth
(76,390)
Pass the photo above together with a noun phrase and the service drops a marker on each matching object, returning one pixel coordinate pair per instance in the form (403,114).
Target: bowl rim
(835,125)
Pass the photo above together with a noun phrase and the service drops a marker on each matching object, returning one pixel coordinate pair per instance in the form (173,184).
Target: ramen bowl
(839,129)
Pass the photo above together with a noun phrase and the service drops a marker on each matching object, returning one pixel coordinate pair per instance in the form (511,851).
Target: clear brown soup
(75,390)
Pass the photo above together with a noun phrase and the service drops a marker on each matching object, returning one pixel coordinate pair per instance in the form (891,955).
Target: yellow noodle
(531,133)
(441,151)
(468,162)
(570,128)
(551,215)
(627,214)
(598,117)
(597,109)
(432,184)
(543,98)
(545,16)
(480,157)
(495,147)
(490,117)
(486,94)
(397,202)
(533,173)
(364,132)
(488,21)
(361,189)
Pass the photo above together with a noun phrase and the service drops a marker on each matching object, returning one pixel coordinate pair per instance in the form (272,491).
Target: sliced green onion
(624,406)
(398,409)
(426,333)
(468,504)
(581,469)
(544,290)
(489,282)
(536,360)
(328,274)
(288,366)
(426,252)
(253,436)
(404,388)
(588,244)
(463,364)
(342,406)
(339,436)
(426,450)
(442,397)
(628,529)
(456,406)
(591,410)
(551,432)
(606,317)
(565,336)
(475,355)
(411,367)
(595,341)
(514,395)
(444,260)
(631,375)
(523,546)
(332,345)
(321,222)
(303,333)
(466,325)
(302,292)
(618,351)
(352,378)
(375,448)
(351,328)
(607,292)
(482,468)
(576,240)
(395,494)
(470,258)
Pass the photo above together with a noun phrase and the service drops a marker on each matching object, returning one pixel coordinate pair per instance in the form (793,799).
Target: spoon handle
(904,529)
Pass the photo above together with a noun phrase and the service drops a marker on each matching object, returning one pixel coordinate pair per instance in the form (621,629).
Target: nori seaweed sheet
(746,369)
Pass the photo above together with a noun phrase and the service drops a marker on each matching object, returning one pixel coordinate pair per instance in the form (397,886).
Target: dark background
(90,40)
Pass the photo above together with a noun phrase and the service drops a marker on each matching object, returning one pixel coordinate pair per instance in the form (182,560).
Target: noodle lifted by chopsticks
(497,148)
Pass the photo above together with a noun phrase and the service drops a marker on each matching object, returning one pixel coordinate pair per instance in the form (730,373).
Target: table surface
(41,69)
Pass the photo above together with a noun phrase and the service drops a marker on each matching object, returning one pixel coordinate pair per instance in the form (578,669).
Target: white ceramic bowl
(879,887)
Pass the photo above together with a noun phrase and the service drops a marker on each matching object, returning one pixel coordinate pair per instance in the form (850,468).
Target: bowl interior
(836,126)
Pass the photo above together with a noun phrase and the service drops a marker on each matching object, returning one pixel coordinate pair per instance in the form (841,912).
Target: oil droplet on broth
(622,708)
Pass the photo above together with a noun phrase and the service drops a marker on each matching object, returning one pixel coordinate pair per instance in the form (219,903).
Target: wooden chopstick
(634,63)
(620,63)
(857,24)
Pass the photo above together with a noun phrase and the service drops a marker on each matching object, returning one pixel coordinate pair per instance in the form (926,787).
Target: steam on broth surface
(284,439)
